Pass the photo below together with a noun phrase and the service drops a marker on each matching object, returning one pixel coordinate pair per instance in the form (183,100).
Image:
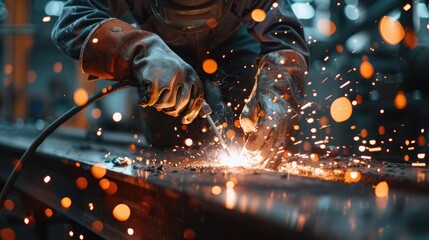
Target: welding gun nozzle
(205,110)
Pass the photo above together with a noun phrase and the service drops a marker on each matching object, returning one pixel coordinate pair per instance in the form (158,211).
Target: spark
(418,164)
(46,19)
(47,179)
(235,159)
(376,149)
(189,142)
(26,220)
(407,7)
(130,231)
(345,84)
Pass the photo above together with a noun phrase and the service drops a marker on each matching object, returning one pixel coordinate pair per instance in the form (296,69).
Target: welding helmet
(190,15)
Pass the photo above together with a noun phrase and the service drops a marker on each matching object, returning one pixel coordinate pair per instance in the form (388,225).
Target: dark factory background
(375,53)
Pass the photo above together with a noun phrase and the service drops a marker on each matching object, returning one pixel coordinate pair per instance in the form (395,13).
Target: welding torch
(205,113)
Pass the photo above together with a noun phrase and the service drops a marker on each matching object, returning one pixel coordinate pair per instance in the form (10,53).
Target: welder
(258,82)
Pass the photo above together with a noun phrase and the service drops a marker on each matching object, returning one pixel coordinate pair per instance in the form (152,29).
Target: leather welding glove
(273,107)
(115,50)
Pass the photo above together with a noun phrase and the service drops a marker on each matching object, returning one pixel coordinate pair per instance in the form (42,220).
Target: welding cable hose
(51,128)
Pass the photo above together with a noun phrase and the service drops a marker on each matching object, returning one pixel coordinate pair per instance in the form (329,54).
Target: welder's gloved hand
(117,51)
(273,107)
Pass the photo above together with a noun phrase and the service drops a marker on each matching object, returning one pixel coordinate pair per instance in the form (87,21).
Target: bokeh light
(80,96)
(258,15)
(97,226)
(81,183)
(366,69)
(117,117)
(121,212)
(216,190)
(391,30)
(326,27)
(98,170)
(382,189)
(66,202)
(400,100)
(49,213)
(341,109)
(209,66)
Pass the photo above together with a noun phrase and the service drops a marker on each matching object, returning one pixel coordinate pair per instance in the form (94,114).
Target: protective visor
(191,18)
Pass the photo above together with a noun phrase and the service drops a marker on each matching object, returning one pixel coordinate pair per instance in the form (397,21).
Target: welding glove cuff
(115,50)
(273,107)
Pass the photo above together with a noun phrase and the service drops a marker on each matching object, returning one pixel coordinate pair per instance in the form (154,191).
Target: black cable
(51,128)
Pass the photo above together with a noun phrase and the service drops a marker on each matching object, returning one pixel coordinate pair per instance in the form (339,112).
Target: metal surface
(171,194)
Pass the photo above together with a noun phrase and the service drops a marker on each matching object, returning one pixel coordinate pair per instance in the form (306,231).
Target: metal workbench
(183,195)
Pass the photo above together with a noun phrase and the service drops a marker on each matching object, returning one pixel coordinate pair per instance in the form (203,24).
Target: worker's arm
(273,107)
(109,48)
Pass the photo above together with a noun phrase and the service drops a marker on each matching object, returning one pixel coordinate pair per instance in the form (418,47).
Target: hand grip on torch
(205,113)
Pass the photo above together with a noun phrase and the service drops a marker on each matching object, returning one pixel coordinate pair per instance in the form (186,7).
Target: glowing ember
(209,66)
(341,109)
(66,202)
(382,189)
(258,15)
(391,30)
(121,212)
(80,96)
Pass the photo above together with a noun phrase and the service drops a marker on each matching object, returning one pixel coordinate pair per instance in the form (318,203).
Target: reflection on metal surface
(230,198)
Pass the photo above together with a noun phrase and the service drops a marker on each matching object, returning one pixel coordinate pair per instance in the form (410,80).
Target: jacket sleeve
(280,30)
(77,20)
